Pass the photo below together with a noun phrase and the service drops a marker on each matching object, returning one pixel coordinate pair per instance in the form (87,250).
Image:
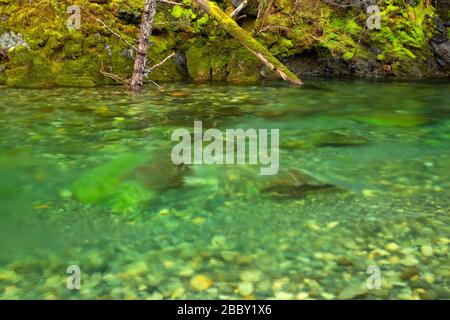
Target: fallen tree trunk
(144,41)
(261,52)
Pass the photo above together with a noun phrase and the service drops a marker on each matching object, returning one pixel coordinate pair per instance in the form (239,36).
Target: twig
(114,33)
(264,16)
(359,40)
(274,27)
(174,3)
(155,84)
(338,4)
(239,9)
(149,70)
(106,71)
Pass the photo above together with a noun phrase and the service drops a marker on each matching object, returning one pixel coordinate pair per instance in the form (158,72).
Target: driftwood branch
(141,55)
(261,52)
(238,9)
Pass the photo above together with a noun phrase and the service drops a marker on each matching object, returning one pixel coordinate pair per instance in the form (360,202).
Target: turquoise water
(86,179)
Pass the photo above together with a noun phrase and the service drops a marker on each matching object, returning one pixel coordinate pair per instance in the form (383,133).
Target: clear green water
(86,179)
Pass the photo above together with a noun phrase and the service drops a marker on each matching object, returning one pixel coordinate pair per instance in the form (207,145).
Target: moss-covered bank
(313,37)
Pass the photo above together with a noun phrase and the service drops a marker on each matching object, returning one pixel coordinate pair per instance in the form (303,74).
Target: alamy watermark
(74,280)
(374,280)
(233,142)
(74,20)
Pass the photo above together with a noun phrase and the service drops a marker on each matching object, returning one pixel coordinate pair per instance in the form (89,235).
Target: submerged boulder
(293,183)
(129,181)
(393,119)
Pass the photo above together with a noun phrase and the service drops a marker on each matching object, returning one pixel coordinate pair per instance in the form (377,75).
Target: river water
(358,209)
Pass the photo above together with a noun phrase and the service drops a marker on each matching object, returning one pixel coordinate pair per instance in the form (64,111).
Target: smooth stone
(245,288)
(283,295)
(136,269)
(338,140)
(427,250)
(391,119)
(409,272)
(201,283)
(353,291)
(392,247)
(409,261)
(344,261)
(250,275)
(429,295)
(429,278)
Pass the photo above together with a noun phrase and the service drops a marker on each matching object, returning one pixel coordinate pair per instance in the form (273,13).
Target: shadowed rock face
(442,53)
(129,17)
(3,55)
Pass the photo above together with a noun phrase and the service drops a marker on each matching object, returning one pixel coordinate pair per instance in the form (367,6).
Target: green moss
(61,57)
(341,34)
(198,63)
(69,80)
(28,70)
(243,67)
(405,30)
(2,78)
(218,62)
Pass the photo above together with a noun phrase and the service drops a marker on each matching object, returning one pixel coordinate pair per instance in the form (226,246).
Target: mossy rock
(2,77)
(166,72)
(28,69)
(129,197)
(198,63)
(296,144)
(100,185)
(70,80)
(334,139)
(243,67)
(392,119)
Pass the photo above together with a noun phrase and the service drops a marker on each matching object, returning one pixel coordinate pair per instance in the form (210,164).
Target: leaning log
(144,41)
(261,52)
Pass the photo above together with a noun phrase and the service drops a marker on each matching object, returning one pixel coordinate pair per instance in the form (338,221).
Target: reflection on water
(86,179)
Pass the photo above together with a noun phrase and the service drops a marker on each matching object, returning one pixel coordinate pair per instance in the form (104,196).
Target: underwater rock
(102,182)
(295,144)
(292,183)
(334,139)
(201,283)
(353,291)
(393,119)
(245,288)
(427,251)
(344,261)
(124,183)
(134,270)
(160,174)
(409,272)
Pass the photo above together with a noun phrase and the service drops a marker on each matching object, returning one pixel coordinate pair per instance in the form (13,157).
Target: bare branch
(238,9)
(160,63)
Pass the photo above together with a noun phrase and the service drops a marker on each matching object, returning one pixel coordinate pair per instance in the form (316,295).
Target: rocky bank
(313,37)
